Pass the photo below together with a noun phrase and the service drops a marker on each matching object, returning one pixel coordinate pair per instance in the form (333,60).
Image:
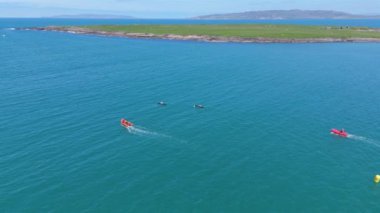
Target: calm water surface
(261,144)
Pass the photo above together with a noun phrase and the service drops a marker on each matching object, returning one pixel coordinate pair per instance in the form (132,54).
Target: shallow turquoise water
(261,144)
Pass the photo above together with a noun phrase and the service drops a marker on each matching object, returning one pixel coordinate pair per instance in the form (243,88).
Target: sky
(174,8)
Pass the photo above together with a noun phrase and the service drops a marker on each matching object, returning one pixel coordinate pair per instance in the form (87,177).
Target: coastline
(202,38)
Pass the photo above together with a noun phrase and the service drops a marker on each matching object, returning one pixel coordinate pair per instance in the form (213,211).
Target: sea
(261,144)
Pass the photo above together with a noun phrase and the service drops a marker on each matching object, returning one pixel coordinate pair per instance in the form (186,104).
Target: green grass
(247,30)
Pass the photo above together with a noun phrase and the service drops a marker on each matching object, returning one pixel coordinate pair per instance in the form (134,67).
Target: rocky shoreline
(204,38)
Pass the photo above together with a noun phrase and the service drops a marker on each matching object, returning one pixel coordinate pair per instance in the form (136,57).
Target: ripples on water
(261,143)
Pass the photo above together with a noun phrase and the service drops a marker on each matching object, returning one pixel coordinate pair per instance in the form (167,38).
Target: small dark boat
(199,106)
(162,103)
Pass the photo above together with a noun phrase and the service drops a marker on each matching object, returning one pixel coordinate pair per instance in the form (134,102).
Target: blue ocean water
(262,143)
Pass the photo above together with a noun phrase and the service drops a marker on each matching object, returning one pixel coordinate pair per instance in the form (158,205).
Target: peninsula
(255,33)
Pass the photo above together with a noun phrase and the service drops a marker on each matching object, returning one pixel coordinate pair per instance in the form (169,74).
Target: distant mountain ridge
(93,16)
(288,14)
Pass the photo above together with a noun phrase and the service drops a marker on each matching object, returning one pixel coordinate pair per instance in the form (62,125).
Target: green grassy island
(263,33)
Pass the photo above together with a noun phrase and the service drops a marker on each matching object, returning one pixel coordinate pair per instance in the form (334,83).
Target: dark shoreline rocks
(204,38)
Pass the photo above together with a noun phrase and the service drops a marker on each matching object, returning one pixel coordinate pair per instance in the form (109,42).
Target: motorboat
(341,133)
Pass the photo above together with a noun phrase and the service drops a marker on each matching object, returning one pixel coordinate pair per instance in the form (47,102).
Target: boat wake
(140,131)
(144,132)
(364,139)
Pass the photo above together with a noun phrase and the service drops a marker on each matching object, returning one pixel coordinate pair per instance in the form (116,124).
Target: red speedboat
(126,123)
(340,133)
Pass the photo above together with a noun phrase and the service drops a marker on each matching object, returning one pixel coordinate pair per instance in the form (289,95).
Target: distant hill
(93,16)
(288,14)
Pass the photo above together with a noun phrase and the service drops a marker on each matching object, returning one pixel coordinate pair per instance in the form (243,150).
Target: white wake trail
(141,131)
(364,139)
(144,132)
